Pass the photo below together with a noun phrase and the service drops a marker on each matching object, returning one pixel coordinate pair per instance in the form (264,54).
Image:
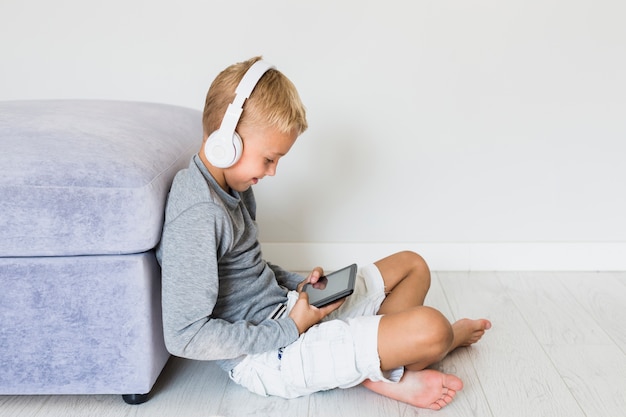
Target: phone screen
(332,287)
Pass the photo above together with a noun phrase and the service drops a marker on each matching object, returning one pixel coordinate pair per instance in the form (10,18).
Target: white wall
(485,135)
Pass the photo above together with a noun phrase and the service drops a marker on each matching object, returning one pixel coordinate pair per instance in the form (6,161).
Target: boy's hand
(305,315)
(313,277)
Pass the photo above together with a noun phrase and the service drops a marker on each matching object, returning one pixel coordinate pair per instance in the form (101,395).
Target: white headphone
(223,148)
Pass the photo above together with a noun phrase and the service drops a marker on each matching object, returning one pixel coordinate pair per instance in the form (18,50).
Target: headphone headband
(224,147)
(242,93)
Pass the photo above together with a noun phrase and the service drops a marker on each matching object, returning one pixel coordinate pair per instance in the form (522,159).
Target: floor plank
(352,402)
(596,376)
(184,382)
(619,277)
(63,405)
(552,313)
(518,377)
(603,296)
(239,402)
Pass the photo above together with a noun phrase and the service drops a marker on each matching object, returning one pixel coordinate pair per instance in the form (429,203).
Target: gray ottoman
(82,193)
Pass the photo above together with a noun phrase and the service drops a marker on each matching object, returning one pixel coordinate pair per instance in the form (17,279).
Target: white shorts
(339,352)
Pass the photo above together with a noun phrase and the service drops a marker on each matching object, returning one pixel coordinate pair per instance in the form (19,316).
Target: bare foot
(467,332)
(425,389)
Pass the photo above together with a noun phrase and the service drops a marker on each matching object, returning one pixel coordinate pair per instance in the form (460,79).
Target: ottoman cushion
(81,177)
(80,324)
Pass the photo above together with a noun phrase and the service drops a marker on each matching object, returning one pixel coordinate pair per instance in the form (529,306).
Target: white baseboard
(556,256)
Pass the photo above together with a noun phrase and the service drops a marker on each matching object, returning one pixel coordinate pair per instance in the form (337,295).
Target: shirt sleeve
(190,248)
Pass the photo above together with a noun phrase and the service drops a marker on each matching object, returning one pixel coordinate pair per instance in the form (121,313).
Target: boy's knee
(441,327)
(433,332)
(418,264)
(413,258)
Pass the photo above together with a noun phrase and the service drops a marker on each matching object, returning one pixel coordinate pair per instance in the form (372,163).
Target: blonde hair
(274,102)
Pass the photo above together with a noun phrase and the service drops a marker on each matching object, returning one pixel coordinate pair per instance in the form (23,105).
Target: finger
(315,274)
(302,284)
(303,296)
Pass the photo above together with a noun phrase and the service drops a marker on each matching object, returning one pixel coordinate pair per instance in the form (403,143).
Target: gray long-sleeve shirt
(218,292)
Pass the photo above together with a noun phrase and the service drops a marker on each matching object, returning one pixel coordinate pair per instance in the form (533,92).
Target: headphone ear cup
(238,145)
(223,151)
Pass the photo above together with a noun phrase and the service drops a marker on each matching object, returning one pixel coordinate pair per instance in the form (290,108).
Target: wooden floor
(557,348)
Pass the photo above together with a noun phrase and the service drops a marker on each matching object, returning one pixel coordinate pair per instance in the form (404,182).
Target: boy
(222,301)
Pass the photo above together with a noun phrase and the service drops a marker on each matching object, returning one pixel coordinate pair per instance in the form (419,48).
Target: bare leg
(415,336)
(407,280)
(425,388)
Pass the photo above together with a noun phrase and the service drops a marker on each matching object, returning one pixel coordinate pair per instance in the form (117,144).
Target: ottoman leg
(134,399)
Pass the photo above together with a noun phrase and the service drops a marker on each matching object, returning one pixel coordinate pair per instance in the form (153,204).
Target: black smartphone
(332,287)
